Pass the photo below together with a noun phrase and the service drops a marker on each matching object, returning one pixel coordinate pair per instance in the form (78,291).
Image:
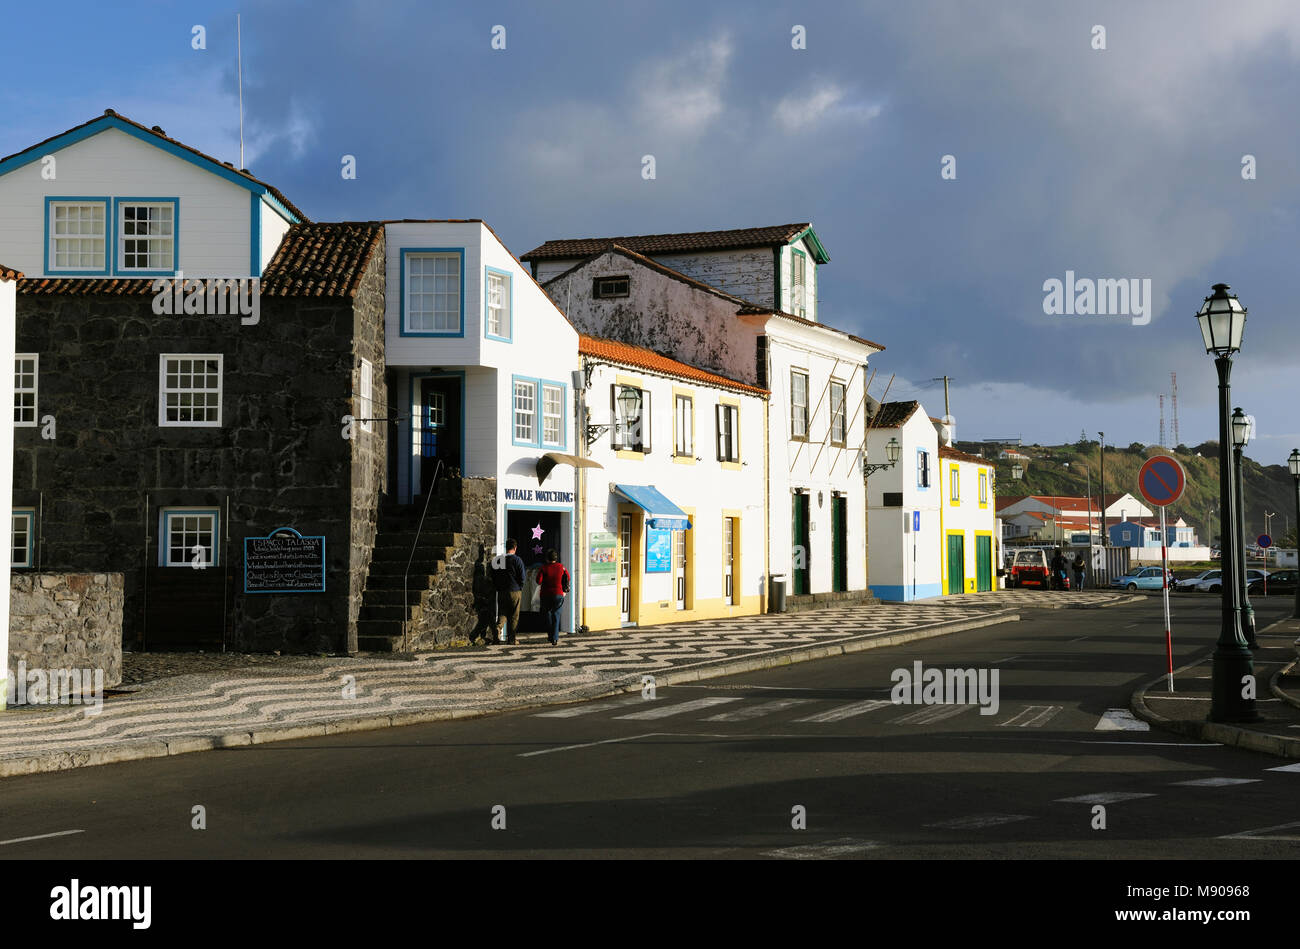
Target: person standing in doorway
(508,579)
(554,581)
(1078,571)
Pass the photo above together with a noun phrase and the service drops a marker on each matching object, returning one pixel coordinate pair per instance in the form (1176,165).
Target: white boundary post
(1164,583)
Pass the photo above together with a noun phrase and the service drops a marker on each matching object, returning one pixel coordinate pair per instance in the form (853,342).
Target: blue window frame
(438,276)
(146,229)
(185,528)
(85,228)
(22,537)
(498,304)
(539,414)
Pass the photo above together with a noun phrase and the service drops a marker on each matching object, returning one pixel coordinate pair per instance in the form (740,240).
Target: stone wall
(461,603)
(67,621)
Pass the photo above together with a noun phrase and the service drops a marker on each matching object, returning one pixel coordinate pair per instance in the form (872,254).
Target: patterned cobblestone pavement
(238,698)
(1037,599)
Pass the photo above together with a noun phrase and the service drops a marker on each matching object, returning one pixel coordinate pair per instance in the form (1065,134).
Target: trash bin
(776,602)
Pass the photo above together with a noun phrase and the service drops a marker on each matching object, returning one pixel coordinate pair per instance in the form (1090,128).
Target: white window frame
(165,517)
(601,294)
(457,328)
(163,389)
(798,262)
(365,404)
(557,416)
(167,262)
(954,484)
(52,251)
(798,418)
(984,487)
(683,426)
(728,433)
(518,414)
(621,430)
(20,421)
(29,515)
(839,417)
(499,304)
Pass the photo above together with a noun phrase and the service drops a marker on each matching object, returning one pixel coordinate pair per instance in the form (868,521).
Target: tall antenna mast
(239,70)
(1173,380)
(1161,443)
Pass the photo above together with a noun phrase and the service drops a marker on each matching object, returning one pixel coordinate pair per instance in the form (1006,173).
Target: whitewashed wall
(788,302)
(7,330)
(904,563)
(273,229)
(214,227)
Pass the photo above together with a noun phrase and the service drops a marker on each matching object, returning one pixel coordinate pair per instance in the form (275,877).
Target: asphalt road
(718,769)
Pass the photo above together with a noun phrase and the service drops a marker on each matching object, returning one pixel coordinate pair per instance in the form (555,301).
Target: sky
(1123,162)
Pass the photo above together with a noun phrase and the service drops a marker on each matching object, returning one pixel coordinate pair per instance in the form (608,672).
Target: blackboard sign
(284,562)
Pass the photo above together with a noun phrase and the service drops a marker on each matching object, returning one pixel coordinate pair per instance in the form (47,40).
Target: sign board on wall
(658,550)
(602,559)
(284,561)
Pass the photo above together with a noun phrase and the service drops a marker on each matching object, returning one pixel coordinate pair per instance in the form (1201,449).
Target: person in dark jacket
(508,579)
(1058,570)
(1078,571)
(554,581)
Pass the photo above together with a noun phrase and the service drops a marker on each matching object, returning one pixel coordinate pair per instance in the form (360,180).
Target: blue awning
(661,513)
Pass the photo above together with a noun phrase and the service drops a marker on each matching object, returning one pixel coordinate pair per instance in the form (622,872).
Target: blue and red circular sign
(1162,480)
(1265,541)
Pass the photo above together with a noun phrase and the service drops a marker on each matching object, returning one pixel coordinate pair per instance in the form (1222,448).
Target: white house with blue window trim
(112,198)
(8,325)
(481,363)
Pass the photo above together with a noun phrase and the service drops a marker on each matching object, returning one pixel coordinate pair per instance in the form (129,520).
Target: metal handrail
(406,616)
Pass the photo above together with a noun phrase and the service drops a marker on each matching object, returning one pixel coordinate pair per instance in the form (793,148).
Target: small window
(922,469)
(631,414)
(25,373)
(838,419)
(954,489)
(146,237)
(22,538)
(432,294)
(984,487)
(499,304)
(799,405)
(525,412)
(189,390)
(1126,535)
(189,537)
(728,433)
(77,242)
(605,287)
(684,426)
(365,402)
(553,415)
(798,285)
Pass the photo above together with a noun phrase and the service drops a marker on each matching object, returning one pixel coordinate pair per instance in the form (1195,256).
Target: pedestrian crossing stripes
(744,714)
(1215,782)
(931,714)
(665,711)
(1035,716)
(840,847)
(1106,797)
(846,711)
(573,711)
(1120,719)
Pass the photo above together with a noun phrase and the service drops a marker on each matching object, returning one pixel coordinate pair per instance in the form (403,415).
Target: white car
(1213,583)
(1188,584)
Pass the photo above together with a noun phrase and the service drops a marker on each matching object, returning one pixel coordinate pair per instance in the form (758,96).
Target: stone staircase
(447,590)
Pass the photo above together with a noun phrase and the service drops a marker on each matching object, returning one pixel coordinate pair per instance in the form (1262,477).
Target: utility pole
(947,412)
(1105,535)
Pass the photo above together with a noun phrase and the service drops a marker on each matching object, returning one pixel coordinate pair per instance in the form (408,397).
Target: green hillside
(1266,488)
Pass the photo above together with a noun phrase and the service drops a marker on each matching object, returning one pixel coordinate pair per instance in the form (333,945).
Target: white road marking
(23,840)
(841,847)
(1008,659)
(573,711)
(1034,716)
(1215,782)
(1079,640)
(588,744)
(846,711)
(664,711)
(1120,719)
(931,714)
(1263,832)
(1105,797)
(745,713)
(1285,767)
(980,820)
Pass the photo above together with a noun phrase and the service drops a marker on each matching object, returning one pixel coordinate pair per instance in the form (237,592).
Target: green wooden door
(839,544)
(956,563)
(799,534)
(983,564)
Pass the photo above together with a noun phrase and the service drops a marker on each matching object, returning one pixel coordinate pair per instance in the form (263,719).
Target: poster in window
(658,550)
(602,559)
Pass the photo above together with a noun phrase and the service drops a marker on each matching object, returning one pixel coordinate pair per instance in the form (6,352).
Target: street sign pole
(1161,481)
(1164,583)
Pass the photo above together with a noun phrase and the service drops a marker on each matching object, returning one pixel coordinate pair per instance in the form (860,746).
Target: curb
(1282,746)
(140,749)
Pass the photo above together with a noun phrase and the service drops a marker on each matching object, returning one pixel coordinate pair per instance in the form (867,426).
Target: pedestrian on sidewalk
(508,579)
(554,581)
(1058,570)
(1078,571)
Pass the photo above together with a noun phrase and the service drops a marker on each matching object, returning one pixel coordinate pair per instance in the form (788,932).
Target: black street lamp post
(1222,321)
(1293,463)
(1240,439)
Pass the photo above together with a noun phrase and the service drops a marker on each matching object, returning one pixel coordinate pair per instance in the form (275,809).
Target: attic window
(604,287)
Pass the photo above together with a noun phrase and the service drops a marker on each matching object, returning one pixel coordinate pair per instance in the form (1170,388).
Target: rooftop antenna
(239,71)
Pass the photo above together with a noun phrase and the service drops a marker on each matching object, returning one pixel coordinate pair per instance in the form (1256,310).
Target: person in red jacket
(553,579)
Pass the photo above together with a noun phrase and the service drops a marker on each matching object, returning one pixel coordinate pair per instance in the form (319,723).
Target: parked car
(1147,578)
(1030,568)
(1280,582)
(1188,584)
(1213,582)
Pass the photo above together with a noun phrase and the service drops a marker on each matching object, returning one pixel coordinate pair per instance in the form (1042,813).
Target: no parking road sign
(1162,480)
